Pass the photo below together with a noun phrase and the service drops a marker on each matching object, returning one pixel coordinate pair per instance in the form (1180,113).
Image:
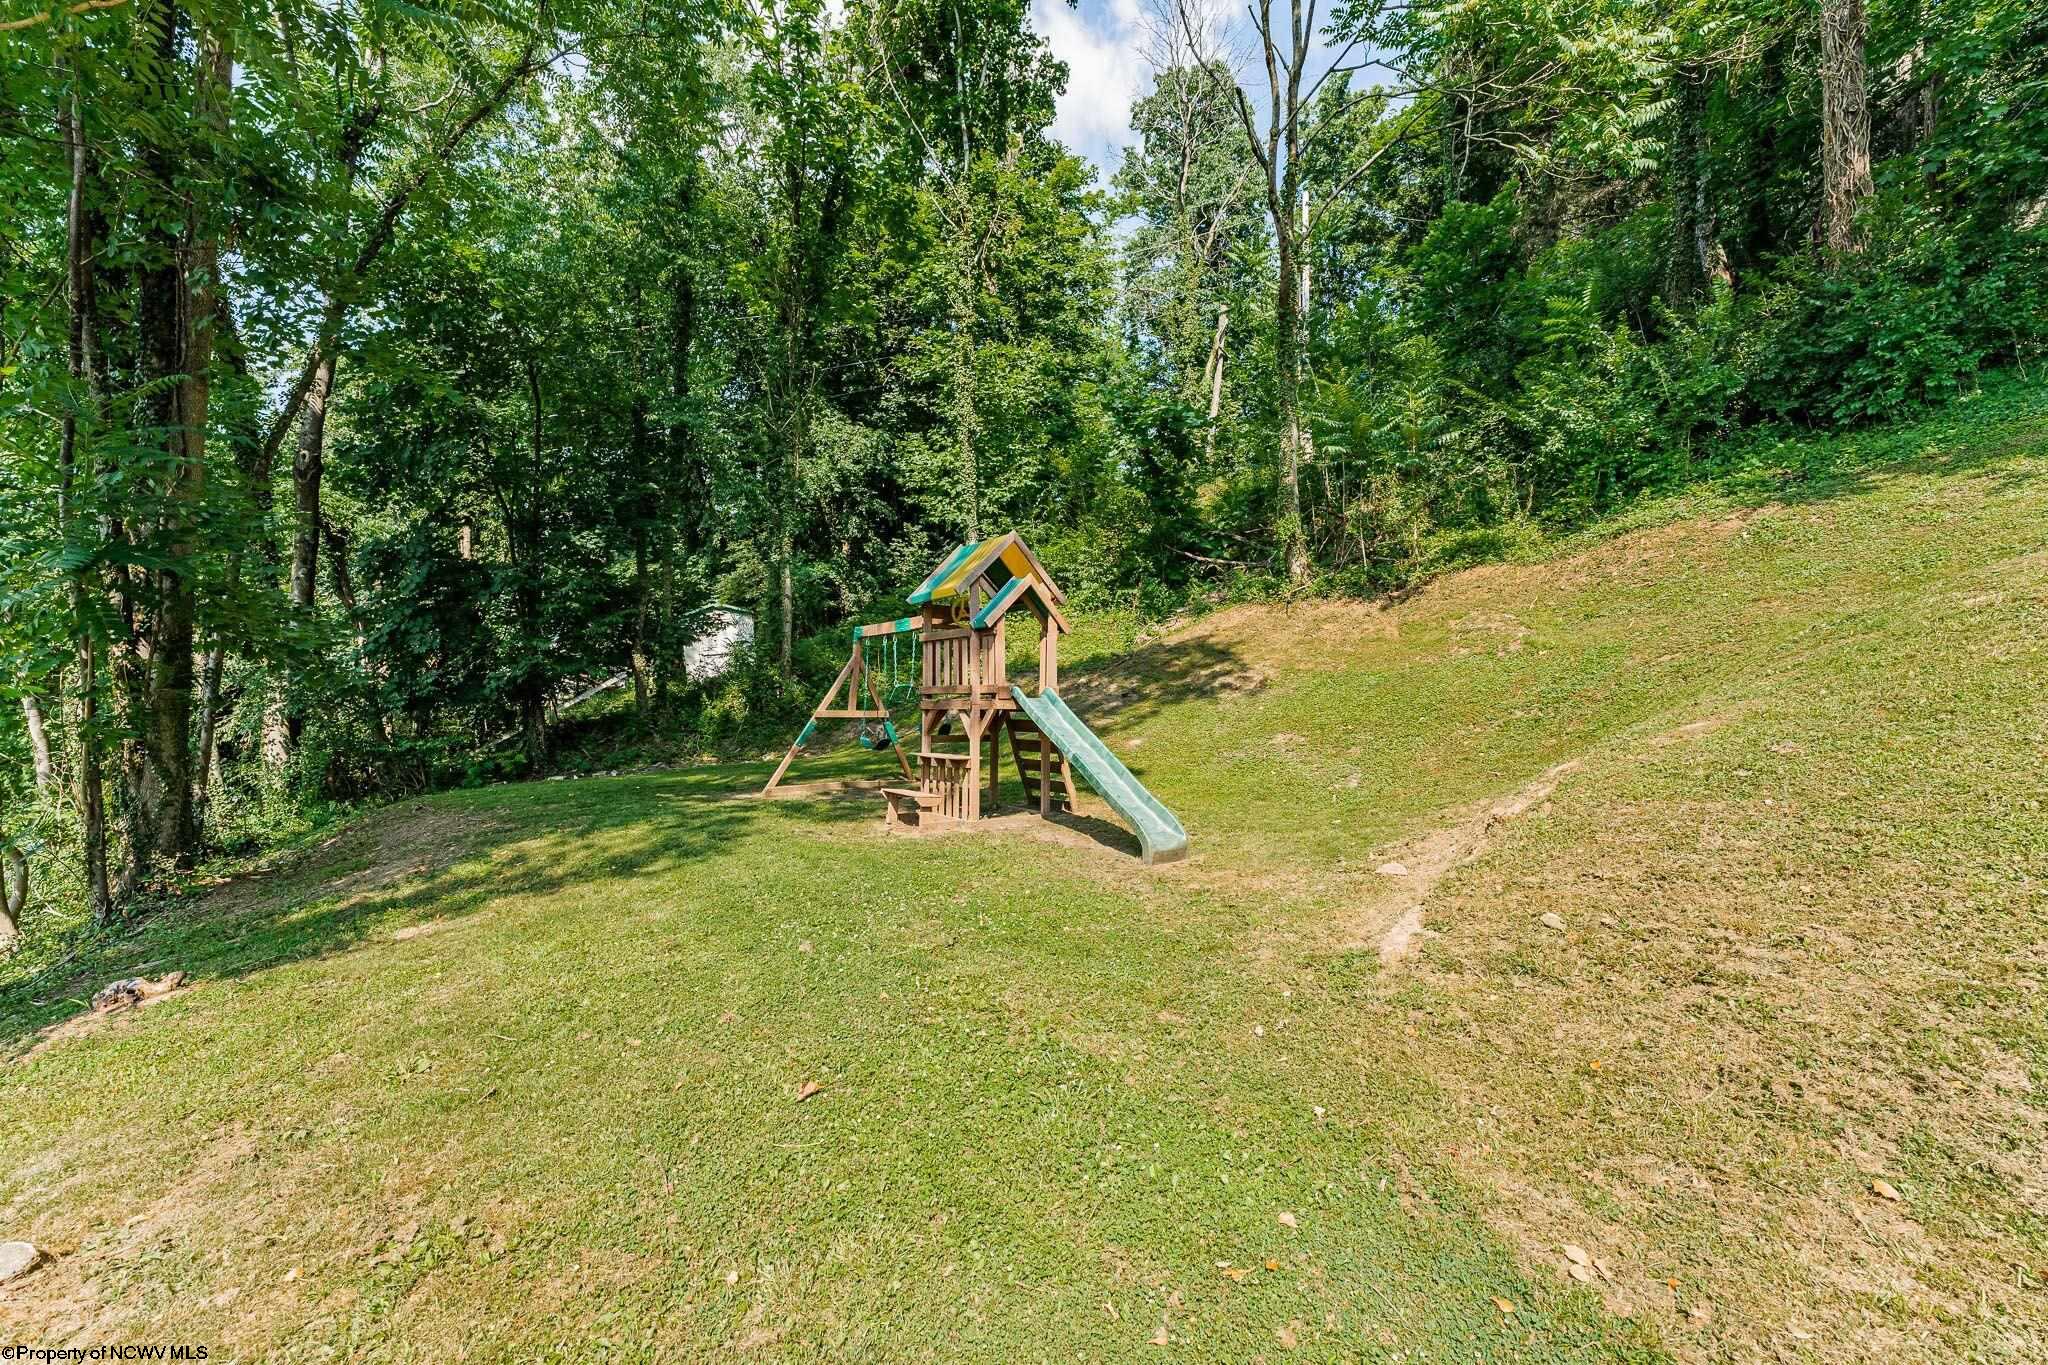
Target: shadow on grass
(1153,677)
(1106,833)
(1794,469)
(2010,424)
(522,840)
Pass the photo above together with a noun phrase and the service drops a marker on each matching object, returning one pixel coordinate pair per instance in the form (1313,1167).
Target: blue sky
(1104,44)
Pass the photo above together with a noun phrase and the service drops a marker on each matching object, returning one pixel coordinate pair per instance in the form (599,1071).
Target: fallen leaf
(1502,1304)
(1580,1273)
(1593,1065)
(1236,1273)
(732,1277)
(1553,921)
(804,947)
(1272,1264)
(291,1274)
(1605,1273)
(1885,1190)
(806,1090)
(1159,1338)
(1109,1310)
(1289,1335)
(1576,1255)
(1287,1220)
(1258,1030)
(1673,1282)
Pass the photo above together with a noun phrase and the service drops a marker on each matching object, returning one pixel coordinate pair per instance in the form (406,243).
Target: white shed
(721,629)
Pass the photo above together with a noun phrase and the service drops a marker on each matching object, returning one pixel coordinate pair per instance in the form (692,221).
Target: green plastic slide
(1160,835)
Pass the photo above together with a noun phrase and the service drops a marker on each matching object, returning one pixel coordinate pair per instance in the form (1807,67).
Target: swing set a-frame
(842,700)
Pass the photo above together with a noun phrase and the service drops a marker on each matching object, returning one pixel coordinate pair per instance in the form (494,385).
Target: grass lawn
(514,1072)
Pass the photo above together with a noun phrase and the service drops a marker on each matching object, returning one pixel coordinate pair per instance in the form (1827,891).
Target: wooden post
(975,716)
(787,759)
(995,762)
(804,735)
(971,783)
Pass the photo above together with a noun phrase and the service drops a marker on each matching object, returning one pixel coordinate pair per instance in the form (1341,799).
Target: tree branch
(381,234)
(15,25)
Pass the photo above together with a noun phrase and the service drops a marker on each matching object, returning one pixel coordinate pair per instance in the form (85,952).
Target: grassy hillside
(1716,925)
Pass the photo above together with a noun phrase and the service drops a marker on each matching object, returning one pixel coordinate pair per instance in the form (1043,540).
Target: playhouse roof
(1010,594)
(999,559)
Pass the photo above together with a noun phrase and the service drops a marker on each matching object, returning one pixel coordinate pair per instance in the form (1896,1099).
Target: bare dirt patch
(1088,828)
(1318,635)
(101,1020)
(1392,921)
(399,843)
(822,787)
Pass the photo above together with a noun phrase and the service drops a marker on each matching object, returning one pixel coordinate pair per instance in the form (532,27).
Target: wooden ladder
(1036,757)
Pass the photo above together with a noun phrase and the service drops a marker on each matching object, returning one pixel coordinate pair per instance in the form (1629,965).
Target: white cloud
(1103,44)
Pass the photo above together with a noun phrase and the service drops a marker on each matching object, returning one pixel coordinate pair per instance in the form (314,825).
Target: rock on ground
(18,1259)
(133,990)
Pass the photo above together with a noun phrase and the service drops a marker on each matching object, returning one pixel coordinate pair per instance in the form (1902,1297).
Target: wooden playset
(958,650)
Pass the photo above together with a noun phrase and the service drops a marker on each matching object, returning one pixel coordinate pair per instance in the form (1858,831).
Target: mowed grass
(515,1072)
(565,1121)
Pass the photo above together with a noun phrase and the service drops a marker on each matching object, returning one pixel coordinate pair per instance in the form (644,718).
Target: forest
(377,374)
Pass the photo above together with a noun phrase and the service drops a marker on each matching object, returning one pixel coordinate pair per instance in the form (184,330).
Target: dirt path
(1412,870)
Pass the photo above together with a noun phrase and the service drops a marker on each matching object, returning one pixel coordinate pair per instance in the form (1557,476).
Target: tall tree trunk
(253,466)
(1287,354)
(682,462)
(308,467)
(13,894)
(39,743)
(642,512)
(1844,122)
(805,276)
(1278,154)
(175,323)
(212,664)
(282,720)
(339,576)
(964,422)
(1685,189)
(788,471)
(87,355)
(788,600)
(1212,376)
(342,580)
(524,532)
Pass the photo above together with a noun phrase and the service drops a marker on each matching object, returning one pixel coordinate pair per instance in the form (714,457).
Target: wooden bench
(908,805)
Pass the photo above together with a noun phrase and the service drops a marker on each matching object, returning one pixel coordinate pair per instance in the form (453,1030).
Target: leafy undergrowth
(517,1070)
